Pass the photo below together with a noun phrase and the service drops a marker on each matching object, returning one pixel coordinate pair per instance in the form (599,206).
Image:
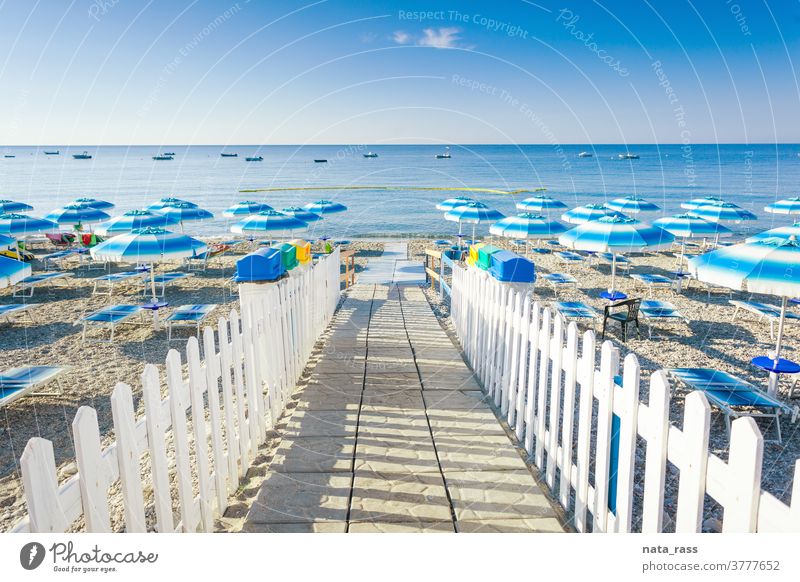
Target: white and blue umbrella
(148,246)
(185,212)
(614,234)
(13,206)
(270,221)
(22,225)
(245,208)
(473,213)
(324,207)
(451,203)
(527,226)
(586,213)
(786,206)
(94,203)
(7,241)
(77,215)
(540,203)
(301,214)
(686,226)
(167,201)
(632,205)
(134,220)
(697,202)
(783,232)
(723,211)
(770,266)
(12,272)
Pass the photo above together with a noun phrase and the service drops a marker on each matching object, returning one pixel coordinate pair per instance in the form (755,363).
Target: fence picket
(534,333)
(655,468)
(238,376)
(159,464)
(40,481)
(215,419)
(570,367)
(742,477)
(626,405)
(522,379)
(557,344)
(544,374)
(586,379)
(128,458)
(94,480)
(605,402)
(692,486)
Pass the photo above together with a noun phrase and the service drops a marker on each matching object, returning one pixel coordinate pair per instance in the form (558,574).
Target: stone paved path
(393,266)
(392,434)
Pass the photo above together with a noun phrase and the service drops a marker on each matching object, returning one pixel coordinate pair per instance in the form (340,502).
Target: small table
(154,306)
(613,295)
(775,369)
(679,277)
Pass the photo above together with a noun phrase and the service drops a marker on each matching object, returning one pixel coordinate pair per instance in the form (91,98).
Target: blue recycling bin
(509,267)
(262,265)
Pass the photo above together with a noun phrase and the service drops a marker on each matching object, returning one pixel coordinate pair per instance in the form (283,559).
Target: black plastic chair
(625,313)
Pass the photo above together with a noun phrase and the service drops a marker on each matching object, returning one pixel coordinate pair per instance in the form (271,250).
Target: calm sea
(750,175)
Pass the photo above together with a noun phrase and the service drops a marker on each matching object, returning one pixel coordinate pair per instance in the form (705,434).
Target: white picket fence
(230,399)
(564,410)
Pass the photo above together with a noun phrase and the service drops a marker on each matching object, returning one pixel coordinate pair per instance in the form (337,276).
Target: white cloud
(367,37)
(444,37)
(401,37)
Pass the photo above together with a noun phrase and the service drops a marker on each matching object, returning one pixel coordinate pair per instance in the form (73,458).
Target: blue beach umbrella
(21,225)
(783,232)
(94,203)
(473,213)
(586,213)
(324,207)
(786,206)
(723,211)
(167,201)
(270,221)
(148,245)
(301,214)
(451,203)
(697,202)
(245,208)
(7,241)
(12,206)
(632,205)
(12,272)
(686,226)
(770,266)
(185,212)
(134,220)
(540,203)
(76,215)
(527,225)
(614,234)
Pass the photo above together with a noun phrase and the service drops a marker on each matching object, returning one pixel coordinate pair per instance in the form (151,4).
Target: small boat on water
(627,156)
(229,155)
(445,155)
(254,159)
(9,156)
(55,153)
(169,153)
(370,155)
(163,157)
(84,156)
(320,161)
(585,155)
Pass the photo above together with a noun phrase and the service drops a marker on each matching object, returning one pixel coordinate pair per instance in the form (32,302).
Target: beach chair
(18,310)
(623,263)
(189,316)
(560,281)
(570,258)
(651,281)
(109,317)
(200,262)
(660,312)
(163,280)
(104,285)
(58,258)
(577,311)
(61,239)
(764,311)
(17,382)
(733,396)
(625,313)
(26,287)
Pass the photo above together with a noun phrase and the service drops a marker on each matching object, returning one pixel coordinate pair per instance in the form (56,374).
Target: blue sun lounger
(651,281)
(577,311)
(108,281)
(608,258)
(570,258)
(661,312)
(189,316)
(22,309)
(560,281)
(25,287)
(58,257)
(110,317)
(763,310)
(163,280)
(17,382)
(733,396)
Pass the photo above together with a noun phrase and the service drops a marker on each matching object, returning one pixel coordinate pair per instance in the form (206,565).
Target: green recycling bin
(288,256)
(485,256)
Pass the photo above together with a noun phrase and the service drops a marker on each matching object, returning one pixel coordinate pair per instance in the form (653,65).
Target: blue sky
(336,71)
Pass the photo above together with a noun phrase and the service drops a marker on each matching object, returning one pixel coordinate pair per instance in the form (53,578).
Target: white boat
(445,155)
(627,156)
(585,155)
(370,155)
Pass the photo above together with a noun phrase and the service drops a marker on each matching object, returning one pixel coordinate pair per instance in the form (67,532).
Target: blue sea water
(750,175)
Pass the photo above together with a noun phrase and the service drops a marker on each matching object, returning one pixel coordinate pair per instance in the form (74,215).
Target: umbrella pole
(613,271)
(153,282)
(473,232)
(772,384)
(460,225)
